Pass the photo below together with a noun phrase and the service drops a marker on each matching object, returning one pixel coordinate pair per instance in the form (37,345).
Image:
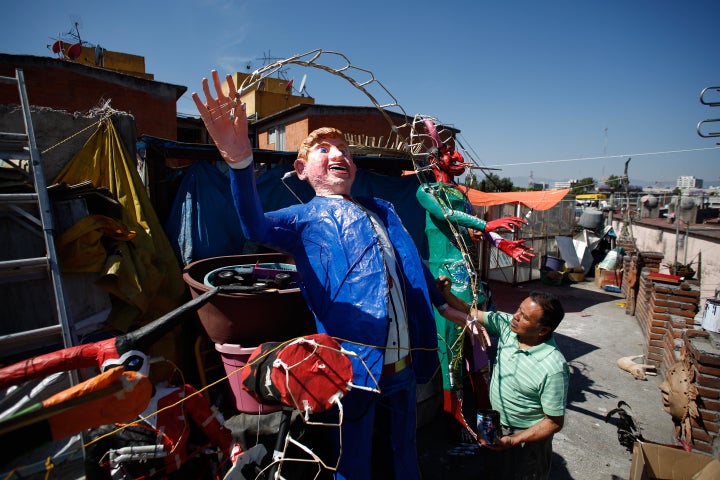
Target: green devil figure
(449,226)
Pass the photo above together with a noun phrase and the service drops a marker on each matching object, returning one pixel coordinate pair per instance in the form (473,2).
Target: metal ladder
(20,152)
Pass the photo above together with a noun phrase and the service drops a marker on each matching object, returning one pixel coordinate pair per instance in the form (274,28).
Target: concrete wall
(663,240)
(60,135)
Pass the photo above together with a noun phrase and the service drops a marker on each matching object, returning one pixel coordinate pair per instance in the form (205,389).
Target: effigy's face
(676,391)
(329,167)
(452,162)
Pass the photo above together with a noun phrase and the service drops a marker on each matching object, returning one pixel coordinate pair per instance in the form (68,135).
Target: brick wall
(632,272)
(664,311)
(704,349)
(644,316)
(72,87)
(674,308)
(667,315)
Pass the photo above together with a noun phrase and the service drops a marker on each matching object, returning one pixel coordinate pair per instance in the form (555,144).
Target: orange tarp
(542,200)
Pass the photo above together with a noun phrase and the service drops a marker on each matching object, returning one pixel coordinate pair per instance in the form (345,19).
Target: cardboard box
(651,461)
(607,277)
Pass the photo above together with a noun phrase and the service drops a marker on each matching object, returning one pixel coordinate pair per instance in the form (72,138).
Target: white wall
(655,239)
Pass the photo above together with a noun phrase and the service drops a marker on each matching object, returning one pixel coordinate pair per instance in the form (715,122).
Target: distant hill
(523,181)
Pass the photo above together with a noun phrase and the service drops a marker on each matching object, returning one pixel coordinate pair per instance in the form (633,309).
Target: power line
(606,156)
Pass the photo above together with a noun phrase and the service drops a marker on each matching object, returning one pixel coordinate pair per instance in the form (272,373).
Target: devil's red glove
(516,249)
(508,223)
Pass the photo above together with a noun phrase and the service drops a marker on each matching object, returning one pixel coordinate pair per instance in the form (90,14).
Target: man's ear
(544,331)
(299,166)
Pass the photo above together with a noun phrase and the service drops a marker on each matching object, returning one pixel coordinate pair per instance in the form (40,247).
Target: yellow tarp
(81,248)
(142,272)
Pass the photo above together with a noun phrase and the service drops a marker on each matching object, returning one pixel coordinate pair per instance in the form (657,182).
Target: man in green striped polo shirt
(529,382)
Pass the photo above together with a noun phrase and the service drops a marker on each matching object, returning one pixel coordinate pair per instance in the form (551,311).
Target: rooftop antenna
(70,49)
(75,50)
(605,151)
(268,59)
(76,23)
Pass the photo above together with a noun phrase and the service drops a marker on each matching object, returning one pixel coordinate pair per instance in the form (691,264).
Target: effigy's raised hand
(230,134)
(517,250)
(508,223)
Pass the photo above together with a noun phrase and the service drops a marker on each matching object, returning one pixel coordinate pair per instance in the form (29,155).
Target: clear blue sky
(535,86)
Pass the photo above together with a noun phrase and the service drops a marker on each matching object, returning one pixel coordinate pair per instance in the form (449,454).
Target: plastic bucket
(234,358)
(249,318)
(551,263)
(711,316)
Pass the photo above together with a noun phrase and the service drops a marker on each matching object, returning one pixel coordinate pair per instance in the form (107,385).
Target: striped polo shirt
(529,383)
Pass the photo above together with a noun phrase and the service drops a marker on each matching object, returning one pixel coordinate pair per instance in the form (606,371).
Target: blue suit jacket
(343,280)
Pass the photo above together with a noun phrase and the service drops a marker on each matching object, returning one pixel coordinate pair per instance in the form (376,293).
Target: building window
(276,136)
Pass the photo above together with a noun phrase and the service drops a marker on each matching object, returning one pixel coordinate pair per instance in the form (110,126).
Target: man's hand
(475,235)
(545,428)
(230,135)
(502,443)
(509,223)
(443,285)
(516,249)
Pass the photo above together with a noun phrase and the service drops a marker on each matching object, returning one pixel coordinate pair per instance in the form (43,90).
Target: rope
(102,119)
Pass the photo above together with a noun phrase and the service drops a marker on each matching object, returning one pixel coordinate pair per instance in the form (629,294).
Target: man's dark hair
(553,311)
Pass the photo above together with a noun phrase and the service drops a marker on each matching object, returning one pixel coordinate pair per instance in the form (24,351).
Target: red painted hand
(517,250)
(509,223)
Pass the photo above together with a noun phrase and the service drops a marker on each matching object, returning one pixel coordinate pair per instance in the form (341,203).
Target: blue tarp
(203,222)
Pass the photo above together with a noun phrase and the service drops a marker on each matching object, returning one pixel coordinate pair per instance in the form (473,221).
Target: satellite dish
(74,51)
(99,55)
(302,84)
(57,47)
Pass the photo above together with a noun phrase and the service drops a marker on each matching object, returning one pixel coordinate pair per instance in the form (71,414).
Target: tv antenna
(77,23)
(267,59)
(72,48)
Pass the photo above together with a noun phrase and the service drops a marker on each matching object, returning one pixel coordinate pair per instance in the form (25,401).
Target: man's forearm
(540,431)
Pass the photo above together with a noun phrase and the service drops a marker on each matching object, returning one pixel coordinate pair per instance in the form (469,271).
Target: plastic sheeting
(142,272)
(81,248)
(114,396)
(543,200)
(203,222)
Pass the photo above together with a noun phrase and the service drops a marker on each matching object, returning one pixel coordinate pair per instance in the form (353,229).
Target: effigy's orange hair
(317,135)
